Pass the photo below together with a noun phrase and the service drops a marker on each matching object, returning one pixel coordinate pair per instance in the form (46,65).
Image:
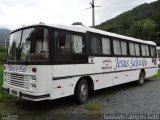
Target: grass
(1,77)
(3,96)
(156,77)
(1,72)
(93,107)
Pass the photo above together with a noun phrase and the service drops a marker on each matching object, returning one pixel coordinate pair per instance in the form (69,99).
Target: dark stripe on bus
(66,77)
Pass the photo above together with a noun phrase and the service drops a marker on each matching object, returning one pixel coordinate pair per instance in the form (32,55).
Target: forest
(142,22)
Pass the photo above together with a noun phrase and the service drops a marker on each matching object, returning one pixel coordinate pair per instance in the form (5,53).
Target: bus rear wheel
(81,91)
(141,78)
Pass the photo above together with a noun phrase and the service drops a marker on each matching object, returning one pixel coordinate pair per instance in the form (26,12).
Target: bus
(47,62)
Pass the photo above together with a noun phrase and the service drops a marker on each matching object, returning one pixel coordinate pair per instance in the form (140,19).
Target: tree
(148,29)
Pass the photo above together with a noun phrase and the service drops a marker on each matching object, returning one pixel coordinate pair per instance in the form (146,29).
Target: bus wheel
(81,91)
(141,78)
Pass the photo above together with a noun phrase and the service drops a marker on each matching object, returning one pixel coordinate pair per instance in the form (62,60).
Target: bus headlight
(33,86)
(34,79)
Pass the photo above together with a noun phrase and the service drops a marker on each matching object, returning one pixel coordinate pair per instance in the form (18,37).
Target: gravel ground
(122,99)
(135,100)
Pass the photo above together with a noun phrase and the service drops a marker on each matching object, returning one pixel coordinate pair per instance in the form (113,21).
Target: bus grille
(18,80)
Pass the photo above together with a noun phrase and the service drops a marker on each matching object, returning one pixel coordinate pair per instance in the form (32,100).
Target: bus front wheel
(81,91)
(141,78)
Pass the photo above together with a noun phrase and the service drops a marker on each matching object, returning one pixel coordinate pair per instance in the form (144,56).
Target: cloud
(15,13)
(113,8)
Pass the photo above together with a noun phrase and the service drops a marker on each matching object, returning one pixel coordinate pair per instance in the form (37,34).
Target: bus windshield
(29,45)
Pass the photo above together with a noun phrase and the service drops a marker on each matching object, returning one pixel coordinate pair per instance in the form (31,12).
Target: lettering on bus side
(107,64)
(132,63)
(22,68)
(121,63)
(18,68)
(11,68)
(138,63)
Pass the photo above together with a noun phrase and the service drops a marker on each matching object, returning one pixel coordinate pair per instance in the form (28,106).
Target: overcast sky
(16,13)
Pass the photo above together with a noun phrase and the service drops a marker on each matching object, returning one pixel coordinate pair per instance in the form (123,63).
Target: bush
(3,96)
(3,55)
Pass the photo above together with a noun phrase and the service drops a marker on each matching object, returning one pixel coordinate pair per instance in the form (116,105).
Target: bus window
(137,49)
(106,46)
(32,45)
(153,52)
(143,50)
(26,43)
(14,44)
(78,44)
(124,47)
(147,50)
(96,45)
(132,49)
(63,42)
(37,41)
(117,47)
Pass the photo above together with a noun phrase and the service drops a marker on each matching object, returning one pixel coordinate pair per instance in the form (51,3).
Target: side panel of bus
(104,71)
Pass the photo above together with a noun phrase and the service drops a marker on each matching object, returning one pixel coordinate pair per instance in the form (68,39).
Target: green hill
(142,22)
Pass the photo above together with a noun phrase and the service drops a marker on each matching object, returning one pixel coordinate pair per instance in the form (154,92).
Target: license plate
(14,92)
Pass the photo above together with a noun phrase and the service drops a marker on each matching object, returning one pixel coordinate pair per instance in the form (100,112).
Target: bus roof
(84,29)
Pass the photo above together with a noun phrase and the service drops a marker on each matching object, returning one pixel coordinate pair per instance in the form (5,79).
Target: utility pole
(93,12)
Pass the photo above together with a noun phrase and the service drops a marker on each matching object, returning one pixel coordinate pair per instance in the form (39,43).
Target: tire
(81,91)
(141,78)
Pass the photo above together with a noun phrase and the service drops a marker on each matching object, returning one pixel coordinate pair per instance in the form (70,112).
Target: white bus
(48,62)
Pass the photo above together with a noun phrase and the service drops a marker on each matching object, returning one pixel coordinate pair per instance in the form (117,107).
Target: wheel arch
(89,81)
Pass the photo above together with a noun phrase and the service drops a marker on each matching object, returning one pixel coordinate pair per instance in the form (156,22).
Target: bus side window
(117,47)
(124,47)
(96,45)
(147,50)
(137,48)
(143,50)
(132,49)
(63,42)
(78,44)
(153,51)
(106,48)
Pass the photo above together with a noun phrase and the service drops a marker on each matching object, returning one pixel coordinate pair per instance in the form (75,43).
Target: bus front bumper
(26,95)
